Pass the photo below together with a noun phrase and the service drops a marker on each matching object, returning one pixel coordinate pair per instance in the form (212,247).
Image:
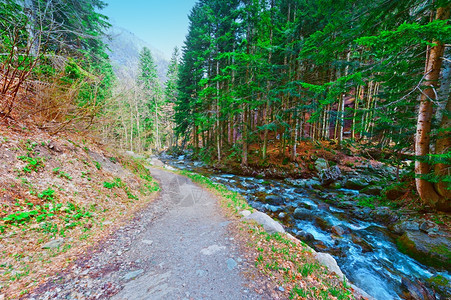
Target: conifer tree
(150,84)
(272,72)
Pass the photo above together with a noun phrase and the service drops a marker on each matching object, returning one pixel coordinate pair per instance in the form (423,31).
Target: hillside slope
(124,47)
(59,195)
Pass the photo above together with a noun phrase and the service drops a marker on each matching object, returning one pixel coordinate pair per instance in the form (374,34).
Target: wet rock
(272,208)
(330,175)
(415,290)
(404,226)
(337,230)
(282,215)
(363,213)
(304,205)
(429,250)
(320,246)
(302,213)
(323,206)
(274,199)
(346,204)
(366,247)
(304,183)
(356,183)
(441,285)
(428,226)
(305,236)
(270,225)
(53,244)
(322,223)
(328,261)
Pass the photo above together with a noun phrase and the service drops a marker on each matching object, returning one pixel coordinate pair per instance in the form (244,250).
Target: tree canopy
(276,71)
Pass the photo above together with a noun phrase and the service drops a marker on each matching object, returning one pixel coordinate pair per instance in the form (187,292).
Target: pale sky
(161,23)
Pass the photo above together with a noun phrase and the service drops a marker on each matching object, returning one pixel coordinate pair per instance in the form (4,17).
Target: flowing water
(365,251)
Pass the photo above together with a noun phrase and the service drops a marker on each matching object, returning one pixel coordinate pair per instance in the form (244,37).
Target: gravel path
(178,248)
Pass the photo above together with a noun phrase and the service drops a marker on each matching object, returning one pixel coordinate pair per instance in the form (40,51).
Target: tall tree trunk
(426,189)
(268,103)
(157,126)
(218,128)
(244,161)
(341,109)
(295,137)
(33,39)
(442,147)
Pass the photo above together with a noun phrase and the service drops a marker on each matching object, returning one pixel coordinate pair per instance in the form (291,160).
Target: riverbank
(344,221)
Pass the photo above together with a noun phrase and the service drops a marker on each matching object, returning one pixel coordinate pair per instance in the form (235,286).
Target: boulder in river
(282,215)
(272,208)
(429,250)
(304,183)
(415,290)
(320,246)
(338,230)
(305,236)
(302,213)
(330,175)
(366,247)
(274,199)
(322,223)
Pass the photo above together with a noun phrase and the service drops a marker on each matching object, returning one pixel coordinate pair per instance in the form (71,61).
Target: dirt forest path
(178,248)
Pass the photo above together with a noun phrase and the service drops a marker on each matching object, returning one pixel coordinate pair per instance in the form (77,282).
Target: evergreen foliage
(277,71)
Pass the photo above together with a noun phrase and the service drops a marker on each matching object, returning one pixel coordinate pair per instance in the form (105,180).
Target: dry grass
(73,172)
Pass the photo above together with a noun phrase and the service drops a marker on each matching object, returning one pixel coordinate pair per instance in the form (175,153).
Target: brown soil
(57,184)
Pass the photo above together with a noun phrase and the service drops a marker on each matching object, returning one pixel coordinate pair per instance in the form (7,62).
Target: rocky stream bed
(389,253)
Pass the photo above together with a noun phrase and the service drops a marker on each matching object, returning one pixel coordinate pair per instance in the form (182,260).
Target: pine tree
(171,90)
(150,84)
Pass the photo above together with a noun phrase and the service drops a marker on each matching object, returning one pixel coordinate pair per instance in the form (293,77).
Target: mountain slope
(124,47)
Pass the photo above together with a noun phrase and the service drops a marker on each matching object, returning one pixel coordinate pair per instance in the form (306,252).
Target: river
(364,249)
